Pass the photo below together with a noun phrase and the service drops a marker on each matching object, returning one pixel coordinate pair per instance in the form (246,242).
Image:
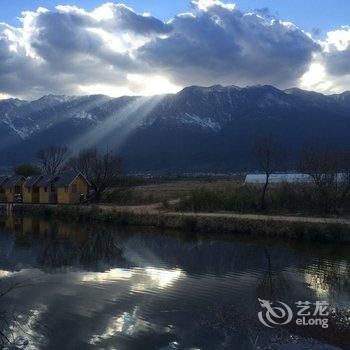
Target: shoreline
(254,225)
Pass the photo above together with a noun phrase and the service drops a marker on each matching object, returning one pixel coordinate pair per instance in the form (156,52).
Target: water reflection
(107,287)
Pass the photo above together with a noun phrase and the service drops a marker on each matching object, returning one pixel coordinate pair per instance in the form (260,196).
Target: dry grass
(162,192)
(179,189)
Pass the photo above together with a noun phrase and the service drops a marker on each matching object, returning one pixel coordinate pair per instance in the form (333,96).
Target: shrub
(229,198)
(282,198)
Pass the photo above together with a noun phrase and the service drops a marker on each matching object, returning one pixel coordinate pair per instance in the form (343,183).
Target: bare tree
(101,168)
(329,171)
(52,159)
(269,154)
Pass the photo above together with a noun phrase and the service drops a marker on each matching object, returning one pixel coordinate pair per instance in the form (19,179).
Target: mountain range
(199,129)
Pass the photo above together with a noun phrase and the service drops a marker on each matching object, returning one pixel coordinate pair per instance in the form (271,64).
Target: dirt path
(157,209)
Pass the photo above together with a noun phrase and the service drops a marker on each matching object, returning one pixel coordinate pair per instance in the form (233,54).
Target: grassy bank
(161,192)
(311,229)
(231,195)
(285,198)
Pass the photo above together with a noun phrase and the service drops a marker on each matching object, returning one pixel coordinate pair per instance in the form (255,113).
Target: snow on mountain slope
(209,108)
(198,125)
(195,120)
(28,118)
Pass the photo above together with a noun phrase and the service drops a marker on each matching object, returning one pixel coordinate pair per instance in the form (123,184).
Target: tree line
(328,170)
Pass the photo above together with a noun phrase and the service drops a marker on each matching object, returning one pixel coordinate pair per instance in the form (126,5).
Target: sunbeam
(116,128)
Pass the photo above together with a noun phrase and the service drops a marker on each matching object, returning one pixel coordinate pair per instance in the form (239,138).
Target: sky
(160,46)
(311,15)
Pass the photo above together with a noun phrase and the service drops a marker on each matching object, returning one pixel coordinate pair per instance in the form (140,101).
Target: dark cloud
(227,46)
(337,57)
(68,49)
(66,41)
(338,62)
(125,18)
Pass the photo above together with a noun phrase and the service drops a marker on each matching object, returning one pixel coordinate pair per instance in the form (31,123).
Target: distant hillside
(197,129)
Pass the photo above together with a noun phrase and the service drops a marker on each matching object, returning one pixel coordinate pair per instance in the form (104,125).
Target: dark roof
(12,181)
(47,180)
(3,178)
(68,177)
(31,181)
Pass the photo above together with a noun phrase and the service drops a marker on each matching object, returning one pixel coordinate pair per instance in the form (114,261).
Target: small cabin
(47,189)
(3,178)
(31,189)
(14,187)
(71,186)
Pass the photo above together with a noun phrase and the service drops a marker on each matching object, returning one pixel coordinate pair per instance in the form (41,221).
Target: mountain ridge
(198,128)
(211,87)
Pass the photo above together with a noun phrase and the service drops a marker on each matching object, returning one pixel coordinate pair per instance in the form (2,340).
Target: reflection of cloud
(317,283)
(324,281)
(149,277)
(4,273)
(130,323)
(111,275)
(157,278)
(27,327)
(164,278)
(141,281)
(126,324)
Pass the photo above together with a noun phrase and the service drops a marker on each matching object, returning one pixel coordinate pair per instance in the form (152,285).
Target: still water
(76,286)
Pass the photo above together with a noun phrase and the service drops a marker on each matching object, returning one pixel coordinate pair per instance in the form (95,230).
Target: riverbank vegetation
(325,191)
(260,226)
(285,198)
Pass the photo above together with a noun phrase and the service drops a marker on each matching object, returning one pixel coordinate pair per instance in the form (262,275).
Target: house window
(28,189)
(66,189)
(10,189)
(52,188)
(74,188)
(45,189)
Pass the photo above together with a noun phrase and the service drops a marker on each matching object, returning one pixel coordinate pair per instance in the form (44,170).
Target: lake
(85,286)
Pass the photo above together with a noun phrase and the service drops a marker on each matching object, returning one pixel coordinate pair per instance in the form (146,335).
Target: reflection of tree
(100,247)
(58,252)
(235,326)
(273,285)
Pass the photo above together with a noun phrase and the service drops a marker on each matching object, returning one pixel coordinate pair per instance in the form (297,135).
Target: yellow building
(31,189)
(3,178)
(71,187)
(14,188)
(47,189)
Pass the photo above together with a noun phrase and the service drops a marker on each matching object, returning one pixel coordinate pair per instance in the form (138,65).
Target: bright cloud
(115,51)
(329,71)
